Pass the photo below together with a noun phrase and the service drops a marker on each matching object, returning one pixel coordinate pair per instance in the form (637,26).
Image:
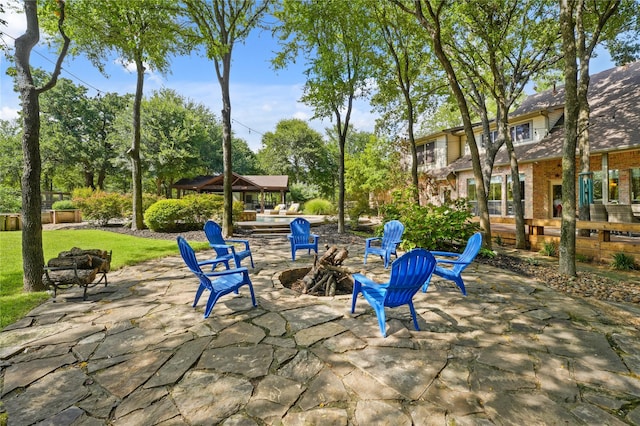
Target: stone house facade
(538,133)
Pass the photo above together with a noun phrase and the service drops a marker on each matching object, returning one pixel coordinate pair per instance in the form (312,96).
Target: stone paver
(136,353)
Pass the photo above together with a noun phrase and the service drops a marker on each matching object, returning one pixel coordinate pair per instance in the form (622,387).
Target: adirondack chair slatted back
(408,274)
(213,231)
(301,236)
(300,231)
(469,254)
(220,283)
(189,257)
(411,271)
(450,265)
(392,235)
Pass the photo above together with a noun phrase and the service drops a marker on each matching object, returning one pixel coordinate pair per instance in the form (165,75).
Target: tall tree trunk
(432,25)
(88,180)
(412,144)
(227,216)
(134,152)
(32,252)
(567,262)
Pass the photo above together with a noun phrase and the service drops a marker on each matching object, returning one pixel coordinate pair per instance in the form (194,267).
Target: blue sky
(260,96)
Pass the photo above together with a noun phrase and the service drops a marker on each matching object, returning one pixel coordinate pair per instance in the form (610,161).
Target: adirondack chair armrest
(245,242)
(315,237)
(444,253)
(451,262)
(227,272)
(369,240)
(208,262)
(221,246)
(368,282)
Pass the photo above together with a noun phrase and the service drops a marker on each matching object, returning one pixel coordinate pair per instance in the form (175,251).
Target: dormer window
(521,132)
(426,153)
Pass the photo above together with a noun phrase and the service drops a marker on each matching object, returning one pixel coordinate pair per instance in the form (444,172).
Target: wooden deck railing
(599,247)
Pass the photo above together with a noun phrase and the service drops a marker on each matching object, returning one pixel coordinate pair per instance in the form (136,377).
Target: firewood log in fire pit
(328,276)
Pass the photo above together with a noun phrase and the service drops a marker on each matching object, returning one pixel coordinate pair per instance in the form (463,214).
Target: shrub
(549,248)
(318,206)
(188,213)
(167,215)
(100,206)
(10,200)
(583,258)
(359,208)
(486,253)
(623,262)
(301,192)
(446,227)
(63,205)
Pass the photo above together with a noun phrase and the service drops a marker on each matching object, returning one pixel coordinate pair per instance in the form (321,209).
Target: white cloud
(16,22)
(8,113)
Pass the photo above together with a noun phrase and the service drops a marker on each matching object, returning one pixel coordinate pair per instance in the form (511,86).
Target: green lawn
(127,250)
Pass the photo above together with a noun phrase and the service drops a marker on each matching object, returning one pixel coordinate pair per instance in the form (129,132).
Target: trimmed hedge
(188,213)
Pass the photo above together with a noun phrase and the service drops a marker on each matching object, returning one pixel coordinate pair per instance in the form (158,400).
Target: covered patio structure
(258,192)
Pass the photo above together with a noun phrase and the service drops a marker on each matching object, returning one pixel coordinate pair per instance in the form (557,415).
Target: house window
(493,136)
(613,193)
(521,132)
(635,186)
(426,153)
(510,211)
(494,198)
(472,196)
(420,154)
(429,153)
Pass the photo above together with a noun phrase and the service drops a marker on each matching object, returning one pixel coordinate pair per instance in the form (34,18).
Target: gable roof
(215,183)
(614,123)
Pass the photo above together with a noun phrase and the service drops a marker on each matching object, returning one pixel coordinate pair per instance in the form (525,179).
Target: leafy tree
(107,107)
(581,25)
(407,80)
(32,253)
(11,158)
(245,161)
(222,23)
(432,16)
(595,21)
(296,150)
(622,39)
(373,172)
(330,36)
(143,33)
(174,132)
(498,46)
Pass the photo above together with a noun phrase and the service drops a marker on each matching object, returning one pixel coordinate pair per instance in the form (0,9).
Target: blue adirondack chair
(408,273)
(225,248)
(301,237)
(217,283)
(451,267)
(391,237)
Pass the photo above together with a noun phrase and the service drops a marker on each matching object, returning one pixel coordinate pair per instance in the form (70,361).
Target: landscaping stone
(514,351)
